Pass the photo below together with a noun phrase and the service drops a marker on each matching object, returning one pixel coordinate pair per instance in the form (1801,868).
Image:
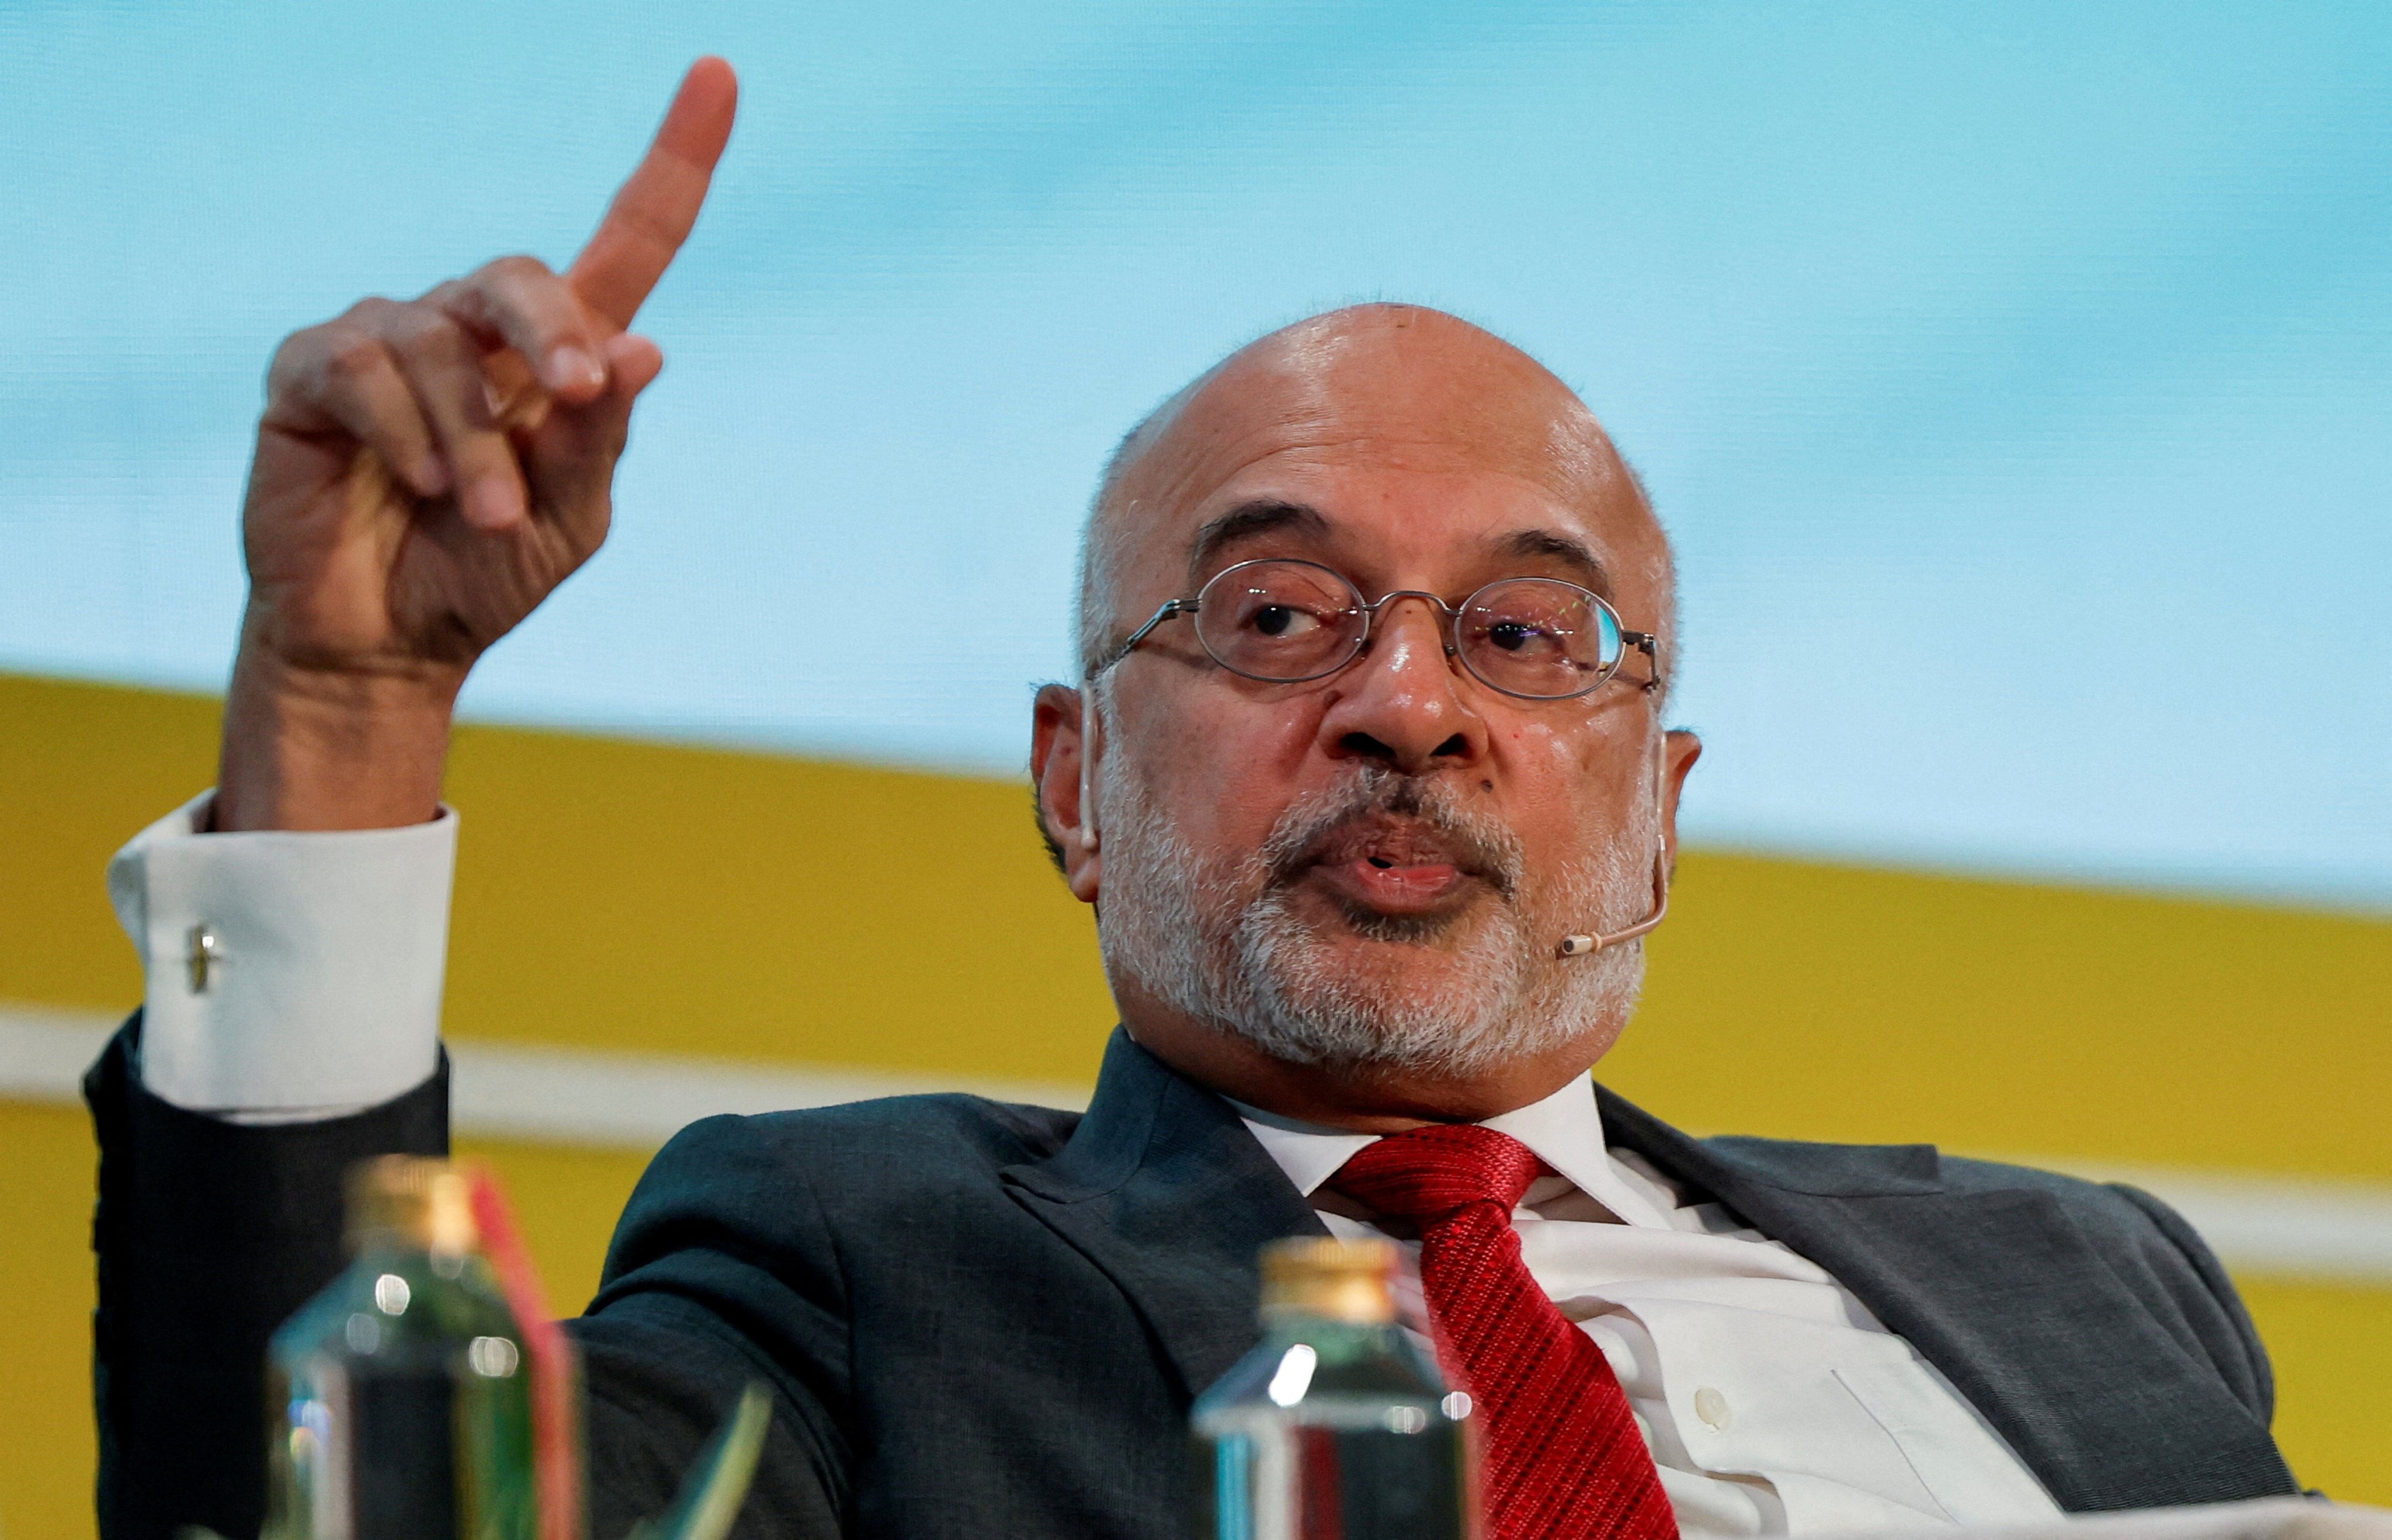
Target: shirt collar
(1564,1131)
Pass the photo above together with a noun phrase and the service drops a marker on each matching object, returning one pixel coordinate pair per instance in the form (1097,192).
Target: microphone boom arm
(1588,945)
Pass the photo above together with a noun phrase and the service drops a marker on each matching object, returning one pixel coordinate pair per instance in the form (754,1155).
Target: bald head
(1397,385)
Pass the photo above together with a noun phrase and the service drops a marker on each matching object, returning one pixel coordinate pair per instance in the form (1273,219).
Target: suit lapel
(1163,1188)
(2003,1293)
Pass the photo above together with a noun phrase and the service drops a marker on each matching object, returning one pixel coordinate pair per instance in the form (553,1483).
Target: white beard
(1220,941)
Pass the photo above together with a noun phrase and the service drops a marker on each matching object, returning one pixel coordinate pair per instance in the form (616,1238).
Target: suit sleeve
(2229,1338)
(723,1271)
(208,1235)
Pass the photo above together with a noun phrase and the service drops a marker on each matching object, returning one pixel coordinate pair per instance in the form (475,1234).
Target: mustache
(1480,843)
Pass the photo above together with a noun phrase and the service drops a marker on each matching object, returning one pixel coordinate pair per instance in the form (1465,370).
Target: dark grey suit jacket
(986,1319)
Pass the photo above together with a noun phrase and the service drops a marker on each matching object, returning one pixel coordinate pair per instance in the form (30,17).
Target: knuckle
(371,311)
(422,329)
(343,345)
(293,353)
(529,300)
(352,355)
(518,268)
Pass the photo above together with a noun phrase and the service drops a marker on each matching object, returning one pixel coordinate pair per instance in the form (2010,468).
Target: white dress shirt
(1774,1402)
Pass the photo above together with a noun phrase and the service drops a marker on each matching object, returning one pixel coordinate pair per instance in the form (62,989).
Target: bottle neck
(1281,1328)
(395,1251)
(1300,1346)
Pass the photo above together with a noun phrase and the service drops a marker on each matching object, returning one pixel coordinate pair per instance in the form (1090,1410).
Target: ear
(1680,749)
(1058,772)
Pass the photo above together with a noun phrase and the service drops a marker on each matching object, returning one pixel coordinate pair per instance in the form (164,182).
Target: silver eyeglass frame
(1643,642)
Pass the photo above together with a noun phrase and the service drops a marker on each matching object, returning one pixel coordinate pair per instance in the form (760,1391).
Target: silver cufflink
(207,954)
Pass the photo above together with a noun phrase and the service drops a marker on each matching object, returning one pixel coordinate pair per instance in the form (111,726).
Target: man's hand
(426,473)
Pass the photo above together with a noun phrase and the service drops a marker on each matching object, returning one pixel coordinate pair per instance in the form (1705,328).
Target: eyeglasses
(1284,622)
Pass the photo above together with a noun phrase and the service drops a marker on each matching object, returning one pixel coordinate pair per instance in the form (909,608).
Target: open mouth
(1394,866)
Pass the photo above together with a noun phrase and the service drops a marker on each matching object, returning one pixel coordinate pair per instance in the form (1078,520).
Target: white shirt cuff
(288,975)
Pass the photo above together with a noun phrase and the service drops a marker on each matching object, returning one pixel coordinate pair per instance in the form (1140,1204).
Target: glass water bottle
(1338,1425)
(400,1402)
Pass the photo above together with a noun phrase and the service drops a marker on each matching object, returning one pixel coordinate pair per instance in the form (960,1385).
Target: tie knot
(1429,1174)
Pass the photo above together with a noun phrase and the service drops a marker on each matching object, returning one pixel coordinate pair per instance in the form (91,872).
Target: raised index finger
(654,210)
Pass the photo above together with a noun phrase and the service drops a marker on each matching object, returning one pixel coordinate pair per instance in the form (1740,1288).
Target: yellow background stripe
(644,897)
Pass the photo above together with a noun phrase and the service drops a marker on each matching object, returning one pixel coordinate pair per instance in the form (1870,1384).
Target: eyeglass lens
(1290,621)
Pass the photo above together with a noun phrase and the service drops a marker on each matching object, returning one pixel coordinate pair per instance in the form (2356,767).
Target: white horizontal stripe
(44,1052)
(574,1096)
(543,1096)
(2321,1228)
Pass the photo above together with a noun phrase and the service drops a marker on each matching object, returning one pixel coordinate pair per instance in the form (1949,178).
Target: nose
(1400,703)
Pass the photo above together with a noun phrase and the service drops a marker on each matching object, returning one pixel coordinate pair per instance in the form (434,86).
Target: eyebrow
(1530,545)
(1263,516)
(1277,515)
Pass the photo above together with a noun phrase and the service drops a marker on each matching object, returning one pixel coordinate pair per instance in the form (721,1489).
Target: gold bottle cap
(1337,1280)
(411,1200)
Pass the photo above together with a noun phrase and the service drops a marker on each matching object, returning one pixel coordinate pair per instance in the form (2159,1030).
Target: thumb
(569,458)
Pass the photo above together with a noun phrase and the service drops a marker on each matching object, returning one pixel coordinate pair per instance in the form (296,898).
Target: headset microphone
(1586,946)
(1086,833)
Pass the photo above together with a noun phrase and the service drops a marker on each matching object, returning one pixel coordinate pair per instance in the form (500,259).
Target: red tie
(1564,1459)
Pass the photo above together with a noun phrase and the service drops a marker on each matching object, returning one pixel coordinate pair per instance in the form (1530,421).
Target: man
(1367,778)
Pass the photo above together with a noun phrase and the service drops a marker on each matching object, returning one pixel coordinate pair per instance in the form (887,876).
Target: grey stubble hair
(1219,939)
